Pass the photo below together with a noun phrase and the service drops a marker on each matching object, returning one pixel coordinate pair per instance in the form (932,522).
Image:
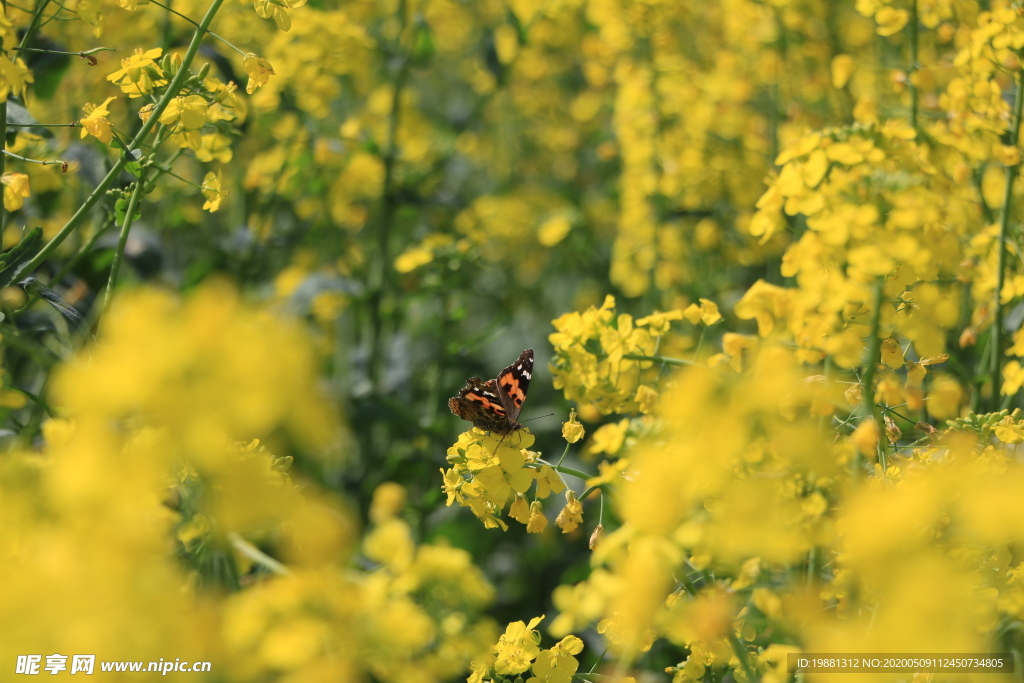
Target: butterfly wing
(481,403)
(513,382)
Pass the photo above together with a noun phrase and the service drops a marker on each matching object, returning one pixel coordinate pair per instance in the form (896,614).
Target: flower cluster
(518,651)
(488,472)
(602,358)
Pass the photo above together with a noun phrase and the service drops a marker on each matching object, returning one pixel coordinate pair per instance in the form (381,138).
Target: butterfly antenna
(500,441)
(537,418)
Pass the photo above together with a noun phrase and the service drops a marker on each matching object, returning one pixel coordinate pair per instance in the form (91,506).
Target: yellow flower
(390,543)
(412,258)
(554,230)
(15,190)
(14,77)
(609,438)
(945,396)
(388,501)
(865,437)
(764,303)
(892,354)
(843,67)
(707,312)
(658,322)
(270,9)
(548,482)
(538,522)
(572,431)
(326,306)
(891,20)
(501,480)
(140,73)
(517,647)
(646,398)
(452,487)
(1009,430)
(95,122)
(571,515)
(553,666)
(213,191)
(520,509)
(185,113)
(259,71)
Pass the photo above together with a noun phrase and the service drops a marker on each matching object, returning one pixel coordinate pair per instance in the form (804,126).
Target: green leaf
(13,262)
(34,286)
(120,210)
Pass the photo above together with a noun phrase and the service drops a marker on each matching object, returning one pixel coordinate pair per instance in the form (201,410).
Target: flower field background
(769,255)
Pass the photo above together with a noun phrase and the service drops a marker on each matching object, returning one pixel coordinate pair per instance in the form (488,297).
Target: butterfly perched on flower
(494,405)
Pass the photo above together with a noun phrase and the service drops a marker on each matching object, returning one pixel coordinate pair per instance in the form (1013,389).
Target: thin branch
(33,25)
(191,21)
(41,162)
(73,124)
(83,53)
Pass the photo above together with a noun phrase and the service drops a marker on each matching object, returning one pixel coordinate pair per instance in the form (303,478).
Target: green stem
(122,240)
(741,654)
(579,474)
(685,580)
(871,365)
(3,159)
(388,208)
(147,126)
(564,453)
(587,492)
(700,341)
(680,362)
(1004,222)
(32,397)
(256,555)
(813,566)
(912,35)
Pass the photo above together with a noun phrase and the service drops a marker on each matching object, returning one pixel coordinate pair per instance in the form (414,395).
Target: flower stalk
(122,240)
(1004,222)
(871,365)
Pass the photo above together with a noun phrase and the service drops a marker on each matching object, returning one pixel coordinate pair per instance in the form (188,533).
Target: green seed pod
(204,72)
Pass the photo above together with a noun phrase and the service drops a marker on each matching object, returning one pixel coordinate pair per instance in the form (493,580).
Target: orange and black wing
(513,382)
(480,403)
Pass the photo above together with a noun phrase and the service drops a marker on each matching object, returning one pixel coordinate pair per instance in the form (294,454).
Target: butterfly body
(494,405)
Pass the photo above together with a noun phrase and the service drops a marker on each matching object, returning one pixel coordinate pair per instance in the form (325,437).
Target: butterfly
(494,405)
